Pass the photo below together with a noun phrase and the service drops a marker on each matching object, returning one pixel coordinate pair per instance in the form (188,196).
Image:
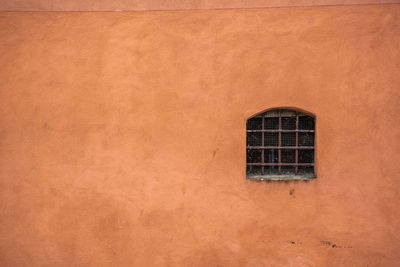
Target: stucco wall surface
(122,137)
(110,5)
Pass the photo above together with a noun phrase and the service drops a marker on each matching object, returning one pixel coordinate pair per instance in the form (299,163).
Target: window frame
(284,177)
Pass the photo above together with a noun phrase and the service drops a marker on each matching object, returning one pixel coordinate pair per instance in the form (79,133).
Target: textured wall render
(137,5)
(122,137)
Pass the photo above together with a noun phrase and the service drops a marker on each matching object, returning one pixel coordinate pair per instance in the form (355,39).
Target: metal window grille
(280,143)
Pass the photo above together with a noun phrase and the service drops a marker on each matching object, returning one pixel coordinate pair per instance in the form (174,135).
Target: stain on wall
(122,137)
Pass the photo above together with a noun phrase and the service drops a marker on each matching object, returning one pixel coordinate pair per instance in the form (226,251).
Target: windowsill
(259,178)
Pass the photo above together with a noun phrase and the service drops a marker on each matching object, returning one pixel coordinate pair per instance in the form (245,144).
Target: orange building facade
(123,134)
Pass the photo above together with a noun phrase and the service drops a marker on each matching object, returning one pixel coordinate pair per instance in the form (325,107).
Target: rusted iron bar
(280,164)
(283,131)
(300,115)
(280,143)
(262,143)
(280,147)
(297,144)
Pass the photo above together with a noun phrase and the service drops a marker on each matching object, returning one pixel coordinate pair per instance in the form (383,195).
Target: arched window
(280,145)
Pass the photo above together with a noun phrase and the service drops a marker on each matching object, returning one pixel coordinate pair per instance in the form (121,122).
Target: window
(280,145)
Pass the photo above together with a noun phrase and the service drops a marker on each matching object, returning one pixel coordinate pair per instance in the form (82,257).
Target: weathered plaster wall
(108,5)
(122,137)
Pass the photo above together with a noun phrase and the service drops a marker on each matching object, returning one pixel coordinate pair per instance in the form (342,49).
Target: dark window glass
(254,139)
(288,156)
(271,156)
(288,123)
(306,156)
(254,155)
(271,123)
(306,139)
(288,139)
(306,123)
(254,124)
(271,139)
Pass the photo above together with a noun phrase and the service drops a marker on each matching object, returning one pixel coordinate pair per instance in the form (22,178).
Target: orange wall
(108,5)
(122,137)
